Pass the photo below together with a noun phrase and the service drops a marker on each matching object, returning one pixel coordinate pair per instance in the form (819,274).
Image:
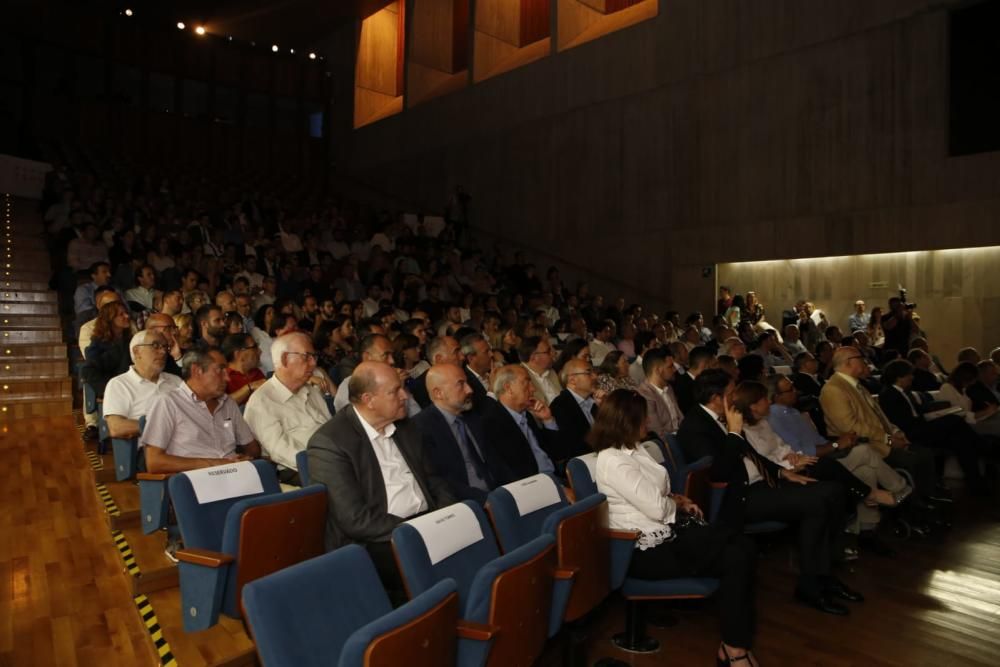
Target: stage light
(292,51)
(180,25)
(128,12)
(274,47)
(200,30)
(312,56)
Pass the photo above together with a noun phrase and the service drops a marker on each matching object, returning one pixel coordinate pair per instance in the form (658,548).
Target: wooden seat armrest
(204,557)
(565,572)
(153,476)
(623,534)
(478,631)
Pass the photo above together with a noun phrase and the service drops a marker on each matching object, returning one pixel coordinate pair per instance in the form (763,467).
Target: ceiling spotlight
(180,25)
(128,12)
(200,30)
(312,56)
(292,51)
(229,38)
(274,47)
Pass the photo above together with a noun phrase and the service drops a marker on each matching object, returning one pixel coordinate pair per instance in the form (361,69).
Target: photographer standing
(898,325)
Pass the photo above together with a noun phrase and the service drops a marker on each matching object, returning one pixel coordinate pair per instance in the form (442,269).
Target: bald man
(454,437)
(376,473)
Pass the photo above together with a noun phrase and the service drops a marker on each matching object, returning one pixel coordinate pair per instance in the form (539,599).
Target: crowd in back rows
(416,372)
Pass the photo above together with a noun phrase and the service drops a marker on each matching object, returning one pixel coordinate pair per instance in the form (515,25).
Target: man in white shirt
(287,409)
(536,357)
(644,342)
(376,473)
(792,342)
(144,293)
(129,396)
(602,343)
(375,348)
(859,320)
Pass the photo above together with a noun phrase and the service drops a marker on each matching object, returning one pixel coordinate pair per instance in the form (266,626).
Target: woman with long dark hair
(108,355)
(674,540)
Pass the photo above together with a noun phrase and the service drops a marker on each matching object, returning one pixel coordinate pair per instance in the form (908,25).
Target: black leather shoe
(822,603)
(838,589)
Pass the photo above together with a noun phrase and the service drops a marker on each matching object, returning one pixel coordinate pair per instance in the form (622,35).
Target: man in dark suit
(950,432)
(454,438)
(700,359)
(805,378)
(478,362)
(441,350)
(376,473)
(574,408)
(983,391)
(525,448)
(759,490)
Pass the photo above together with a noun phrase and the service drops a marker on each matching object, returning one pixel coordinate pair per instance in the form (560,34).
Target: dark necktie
(758,461)
(470,449)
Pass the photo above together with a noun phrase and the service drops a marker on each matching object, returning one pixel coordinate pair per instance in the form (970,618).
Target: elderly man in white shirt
(287,409)
(129,396)
(536,358)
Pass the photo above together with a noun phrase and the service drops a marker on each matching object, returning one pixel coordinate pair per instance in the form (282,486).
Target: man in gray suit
(374,468)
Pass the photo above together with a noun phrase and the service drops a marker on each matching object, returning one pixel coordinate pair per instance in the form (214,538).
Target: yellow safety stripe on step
(155,632)
(109,503)
(126,553)
(95,461)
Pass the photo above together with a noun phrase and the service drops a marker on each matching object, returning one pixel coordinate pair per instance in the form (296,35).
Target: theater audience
(792,344)
(849,408)
(129,396)
(108,354)
(536,357)
(287,409)
(700,359)
(759,490)
(243,374)
(674,540)
(858,321)
(441,350)
(454,438)
(574,408)
(601,344)
(949,432)
(613,373)
(526,447)
(985,420)
(197,425)
(663,413)
(374,468)
(478,364)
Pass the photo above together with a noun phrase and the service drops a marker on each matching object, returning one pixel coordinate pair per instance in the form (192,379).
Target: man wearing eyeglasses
(287,409)
(128,396)
(574,408)
(162,324)
(536,357)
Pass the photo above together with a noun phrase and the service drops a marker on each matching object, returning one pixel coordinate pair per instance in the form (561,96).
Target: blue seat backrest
(201,526)
(462,566)
(302,462)
(580,477)
(303,615)
(513,530)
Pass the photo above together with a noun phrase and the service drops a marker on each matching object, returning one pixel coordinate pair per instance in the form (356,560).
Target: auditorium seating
(127,454)
(509,596)
(302,461)
(333,610)
(581,540)
(232,541)
(635,591)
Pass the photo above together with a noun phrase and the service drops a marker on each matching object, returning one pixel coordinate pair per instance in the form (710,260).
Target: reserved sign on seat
(447,531)
(232,480)
(533,493)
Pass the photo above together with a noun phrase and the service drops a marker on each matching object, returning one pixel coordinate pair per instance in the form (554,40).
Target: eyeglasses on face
(159,347)
(307,355)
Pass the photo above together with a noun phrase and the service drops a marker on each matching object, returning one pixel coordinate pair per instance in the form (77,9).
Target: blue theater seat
(332,610)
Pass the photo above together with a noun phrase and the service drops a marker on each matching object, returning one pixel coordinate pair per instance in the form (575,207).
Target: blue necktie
(477,474)
(541,458)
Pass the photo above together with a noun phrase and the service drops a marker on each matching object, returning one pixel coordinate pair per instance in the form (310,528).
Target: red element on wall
(534,20)
(618,5)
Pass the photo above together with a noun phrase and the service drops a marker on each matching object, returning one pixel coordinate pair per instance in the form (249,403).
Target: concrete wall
(719,131)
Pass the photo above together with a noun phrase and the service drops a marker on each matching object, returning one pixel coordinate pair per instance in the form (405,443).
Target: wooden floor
(64,599)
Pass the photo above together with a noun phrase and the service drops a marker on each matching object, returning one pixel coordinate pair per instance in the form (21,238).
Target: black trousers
(710,551)
(828,470)
(951,432)
(818,508)
(919,462)
(385,564)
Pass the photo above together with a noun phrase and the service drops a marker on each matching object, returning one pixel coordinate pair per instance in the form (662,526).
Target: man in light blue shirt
(859,320)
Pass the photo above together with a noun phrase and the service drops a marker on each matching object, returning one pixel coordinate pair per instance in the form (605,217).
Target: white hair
(280,346)
(137,340)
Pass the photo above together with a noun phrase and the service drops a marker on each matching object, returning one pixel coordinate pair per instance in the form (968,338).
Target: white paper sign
(533,493)
(232,480)
(447,531)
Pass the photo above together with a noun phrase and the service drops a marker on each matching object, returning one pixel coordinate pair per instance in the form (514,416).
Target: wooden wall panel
(719,131)
(956,291)
(376,56)
(500,19)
